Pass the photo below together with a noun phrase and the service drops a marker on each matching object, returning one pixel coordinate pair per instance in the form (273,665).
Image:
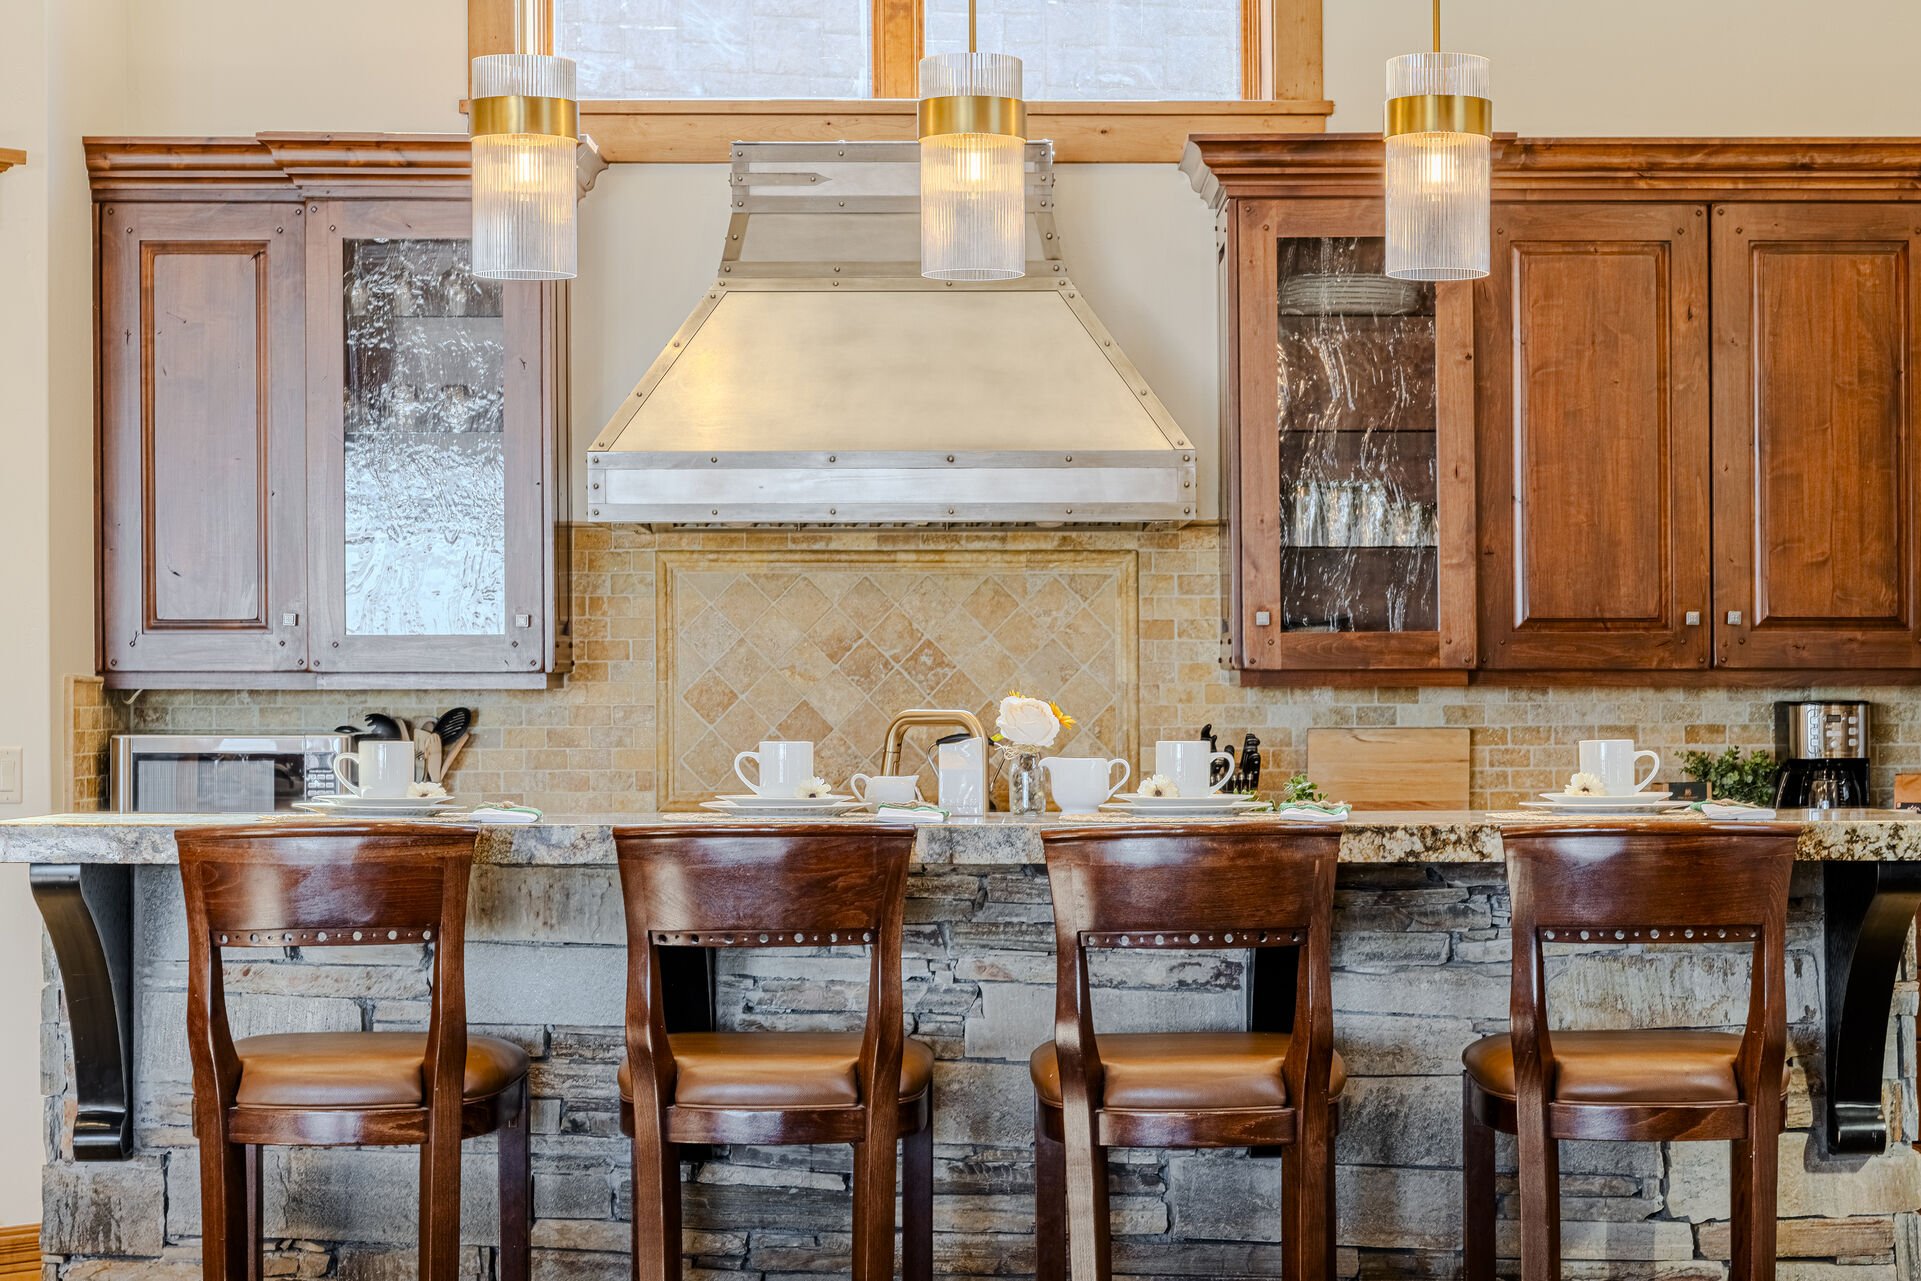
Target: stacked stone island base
(1420,970)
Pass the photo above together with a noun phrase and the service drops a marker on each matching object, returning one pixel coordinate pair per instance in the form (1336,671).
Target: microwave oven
(220,773)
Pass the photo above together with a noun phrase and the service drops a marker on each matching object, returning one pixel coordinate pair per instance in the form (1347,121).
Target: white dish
(1621,805)
(752,802)
(1219,800)
(1191,810)
(1572,801)
(380,802)
(418,810)
(794,809)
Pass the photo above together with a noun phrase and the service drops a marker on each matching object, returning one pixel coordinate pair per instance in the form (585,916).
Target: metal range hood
(821,380)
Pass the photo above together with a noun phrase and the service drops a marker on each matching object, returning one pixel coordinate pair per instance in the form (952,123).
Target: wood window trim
(1280,62)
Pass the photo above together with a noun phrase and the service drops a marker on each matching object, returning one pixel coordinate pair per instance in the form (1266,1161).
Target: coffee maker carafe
(1823,749)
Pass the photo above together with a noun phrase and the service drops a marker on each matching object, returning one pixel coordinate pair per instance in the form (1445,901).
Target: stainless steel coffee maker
(1823,750)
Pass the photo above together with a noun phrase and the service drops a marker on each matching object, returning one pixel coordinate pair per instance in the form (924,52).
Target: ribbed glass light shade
(973,218)
(524,196)
(1439,185)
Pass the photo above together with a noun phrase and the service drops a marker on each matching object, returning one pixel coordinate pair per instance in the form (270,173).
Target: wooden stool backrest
(789,886)
(1214,886)
(325,885)
(1652,884)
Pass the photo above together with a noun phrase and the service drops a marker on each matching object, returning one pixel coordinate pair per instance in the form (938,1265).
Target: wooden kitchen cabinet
(201,344)
(1815,502)
(1594,437)
(330,456)
(1692,406)
(1350,466)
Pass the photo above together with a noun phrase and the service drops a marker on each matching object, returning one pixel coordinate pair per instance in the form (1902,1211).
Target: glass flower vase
(1026,796)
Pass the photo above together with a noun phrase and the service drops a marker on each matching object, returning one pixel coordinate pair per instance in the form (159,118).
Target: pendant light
(524,122)
(973,165)
(1439,176)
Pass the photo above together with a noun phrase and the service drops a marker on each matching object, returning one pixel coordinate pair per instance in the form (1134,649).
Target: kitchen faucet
(920,716)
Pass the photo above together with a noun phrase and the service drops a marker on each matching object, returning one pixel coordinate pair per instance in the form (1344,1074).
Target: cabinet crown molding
(280,166)
(1224,166)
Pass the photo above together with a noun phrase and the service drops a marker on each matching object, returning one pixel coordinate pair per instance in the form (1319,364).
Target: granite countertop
(586,840)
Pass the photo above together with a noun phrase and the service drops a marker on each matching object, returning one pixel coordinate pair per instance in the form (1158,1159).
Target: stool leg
(874,1171)
(1050,1201)
(1307,1223)
(440,1208)
(1477,1190)
(656,1181)
(1540,1180)
(256,1243)
(225,1250)
(1090,1255)
(1752,1189)
(917,1199)
(515,1160)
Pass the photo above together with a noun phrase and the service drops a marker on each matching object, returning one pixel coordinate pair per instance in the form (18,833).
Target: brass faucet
(918,716)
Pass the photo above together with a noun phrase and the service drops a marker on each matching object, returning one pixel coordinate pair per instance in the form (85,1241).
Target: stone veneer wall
(693,645)
(1421,969)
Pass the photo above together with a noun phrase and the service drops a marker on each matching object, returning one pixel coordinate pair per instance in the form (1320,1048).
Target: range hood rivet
(714,458)
(833,511)
(1070,458)
(596,485)
(1186,484)
(832,459)
(950,458)
(727,268)
(714,512)
(837,268)
(595,512)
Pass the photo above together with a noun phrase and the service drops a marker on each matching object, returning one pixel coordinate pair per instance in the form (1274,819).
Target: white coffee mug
(1082,784)
(1613,761)
(885,789)
(382,770)
(783,765)
(1186,763)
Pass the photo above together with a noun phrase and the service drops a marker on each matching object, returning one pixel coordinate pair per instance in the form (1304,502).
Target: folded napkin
(1308,811)
(1733,810)
(910,812)
(504,814)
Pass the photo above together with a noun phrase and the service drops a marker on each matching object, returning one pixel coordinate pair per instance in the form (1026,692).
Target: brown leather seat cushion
(1641,1066)
(774,1070)
(1184,1071)
(361,1069)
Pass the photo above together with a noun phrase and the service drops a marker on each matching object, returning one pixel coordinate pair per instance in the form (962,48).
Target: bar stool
(1665,884)
(787,886)
(342,885)
(1182,888)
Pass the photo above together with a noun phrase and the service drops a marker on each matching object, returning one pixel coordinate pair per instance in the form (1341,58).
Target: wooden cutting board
(1391,769)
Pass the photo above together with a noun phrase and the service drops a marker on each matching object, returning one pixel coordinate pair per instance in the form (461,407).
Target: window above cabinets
(1121,81)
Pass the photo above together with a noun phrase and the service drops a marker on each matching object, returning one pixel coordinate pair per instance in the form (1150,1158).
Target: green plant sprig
(1734,775)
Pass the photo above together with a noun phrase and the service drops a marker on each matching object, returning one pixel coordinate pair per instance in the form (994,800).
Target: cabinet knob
(1694,618)
(1734,618)
(1262,618)
(290,619)
(523,620)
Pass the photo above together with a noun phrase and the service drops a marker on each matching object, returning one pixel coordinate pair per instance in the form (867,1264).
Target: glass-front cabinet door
(425,457)
(1353,481)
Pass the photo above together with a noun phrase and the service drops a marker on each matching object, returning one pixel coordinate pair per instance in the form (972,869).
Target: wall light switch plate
(10,787)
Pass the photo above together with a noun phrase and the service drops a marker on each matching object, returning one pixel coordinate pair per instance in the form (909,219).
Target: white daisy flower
(814,789)
(1159,785)
(1585,784)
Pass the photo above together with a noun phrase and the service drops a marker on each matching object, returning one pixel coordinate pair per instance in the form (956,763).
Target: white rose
(1028,721)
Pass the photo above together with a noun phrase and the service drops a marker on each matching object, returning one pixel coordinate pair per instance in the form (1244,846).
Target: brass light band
(1440,113)
(973,113)
(519,113)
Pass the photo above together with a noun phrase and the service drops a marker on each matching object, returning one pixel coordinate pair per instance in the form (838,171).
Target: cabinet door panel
(202,446)
(1815,501)
(426,447)
(1351,468)
(1595,438)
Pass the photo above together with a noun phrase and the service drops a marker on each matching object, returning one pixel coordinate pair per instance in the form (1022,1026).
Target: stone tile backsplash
(693,645)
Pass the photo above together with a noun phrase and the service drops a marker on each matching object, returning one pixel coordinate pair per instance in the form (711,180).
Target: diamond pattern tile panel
(827,646)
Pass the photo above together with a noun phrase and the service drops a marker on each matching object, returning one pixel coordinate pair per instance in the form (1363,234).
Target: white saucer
(379,802)
(1214,800)
(749,801)
(1174,810)
(834,808)
(1618,805)
(1568,800)
(415,809)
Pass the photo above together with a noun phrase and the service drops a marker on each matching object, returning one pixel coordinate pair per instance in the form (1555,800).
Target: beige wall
(1138,241)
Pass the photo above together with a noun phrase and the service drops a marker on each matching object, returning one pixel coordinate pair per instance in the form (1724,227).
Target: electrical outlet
(10,788)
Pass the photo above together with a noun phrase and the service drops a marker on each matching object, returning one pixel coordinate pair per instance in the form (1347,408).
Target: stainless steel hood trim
(940,485)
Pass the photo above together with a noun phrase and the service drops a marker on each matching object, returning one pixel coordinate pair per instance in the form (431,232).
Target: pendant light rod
(1437,26)
(533,27)
(973,22)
